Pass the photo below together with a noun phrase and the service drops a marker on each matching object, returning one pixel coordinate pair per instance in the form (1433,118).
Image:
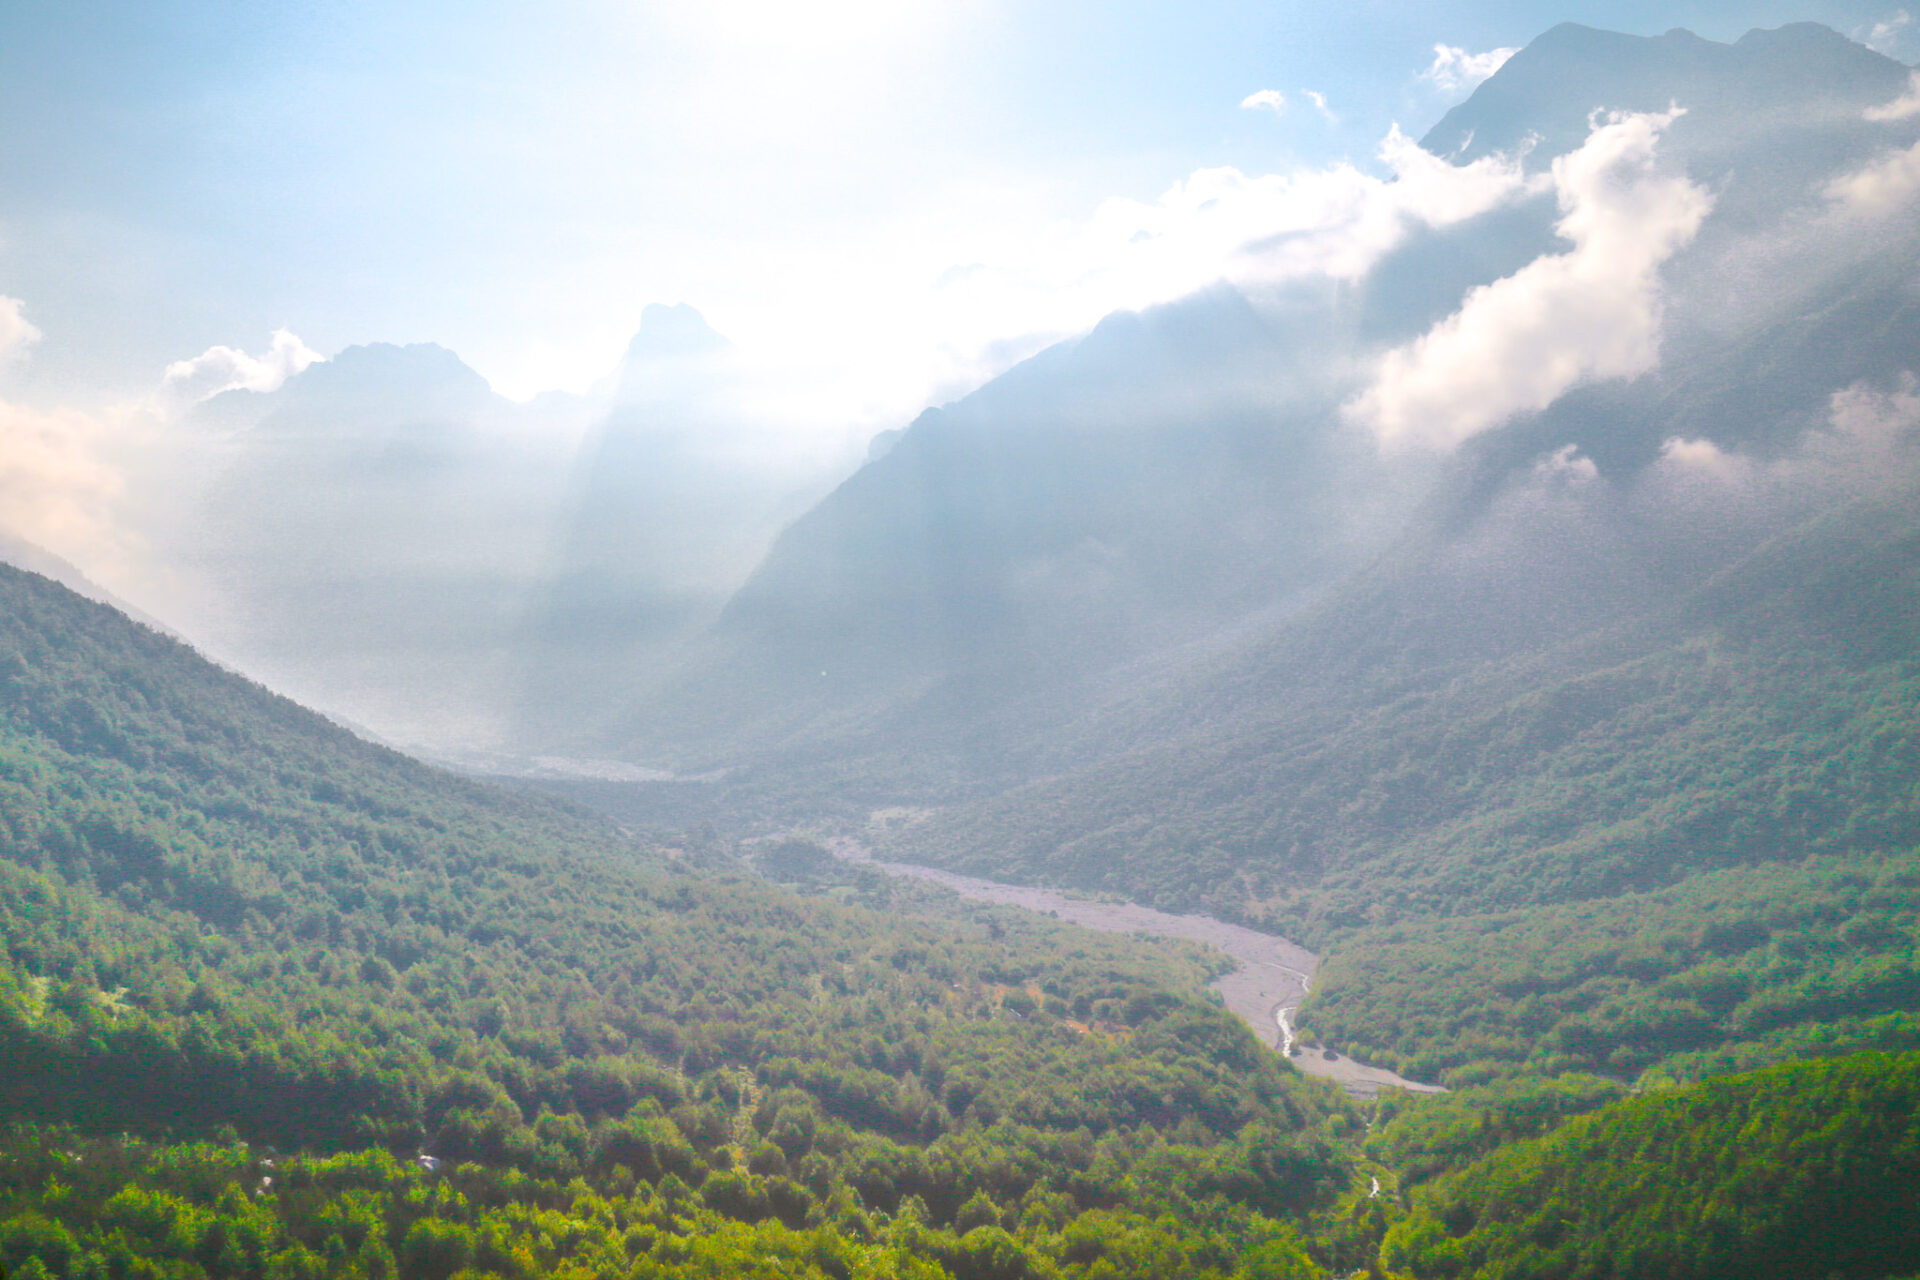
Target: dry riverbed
(1273,977)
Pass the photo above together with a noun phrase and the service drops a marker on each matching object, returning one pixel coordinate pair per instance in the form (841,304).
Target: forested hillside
(231,927)
(1804,1170)
(1593,758)
(1380,761)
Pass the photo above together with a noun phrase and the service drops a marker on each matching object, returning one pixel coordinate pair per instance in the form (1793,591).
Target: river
(1272,978)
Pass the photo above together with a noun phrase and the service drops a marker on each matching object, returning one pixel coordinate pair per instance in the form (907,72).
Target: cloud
(1701,457)
(1319,101)
(1884,34)
(1336,222)
(16,332)
(1886,185)
(1594,312)
(1251,230)
(1270,99)
(55,490)
(1869,446)
(1455,71)
(1567,467)
(1903,107)
(1873,436)
(218,369)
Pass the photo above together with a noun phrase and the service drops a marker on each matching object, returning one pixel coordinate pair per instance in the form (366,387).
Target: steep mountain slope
(1192,475)
(1118,493)
(371,535)
(678,489)
(386,537)
(1779,101)
(1788,1172)
(1450,741)
(227,922)
(1658,629)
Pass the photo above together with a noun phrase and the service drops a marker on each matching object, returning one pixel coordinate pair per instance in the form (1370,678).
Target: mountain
(1155,615)
(1789,1171)
(386,537)
(677,490)
(1532,624)
(1165,475)
(371,533)
(1775,108)
(1184,481)
(274,1001)
(250,960)
(22,554)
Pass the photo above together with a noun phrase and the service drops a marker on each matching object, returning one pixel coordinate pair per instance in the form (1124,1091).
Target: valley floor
(1270,979)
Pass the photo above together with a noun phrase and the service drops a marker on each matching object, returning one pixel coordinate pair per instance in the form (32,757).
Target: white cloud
(16,332)
(218,369)
(1594,312)
(1319,101)
(1870,444)
(1904,107)
(1337,222)
(1455,71)
(1882,35)
(1884,186)
(1701,457)
(1566,466)
(1874,436)
(1269,99)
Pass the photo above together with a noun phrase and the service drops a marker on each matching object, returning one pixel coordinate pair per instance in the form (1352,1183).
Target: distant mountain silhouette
(374,532)
(1168,473)
(1146,558)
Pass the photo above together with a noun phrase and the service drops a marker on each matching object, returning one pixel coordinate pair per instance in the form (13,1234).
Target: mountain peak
(1797,33)
(385,369)
(673,332)
(1768,80)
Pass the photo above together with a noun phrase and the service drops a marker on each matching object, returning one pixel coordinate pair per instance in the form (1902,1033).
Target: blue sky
(517,182)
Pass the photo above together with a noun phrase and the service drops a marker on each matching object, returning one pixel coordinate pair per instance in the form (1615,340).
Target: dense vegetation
(279,1004)
(1680,844)
(230,927)
(1374,768)
(1809,1169)
(1728,970)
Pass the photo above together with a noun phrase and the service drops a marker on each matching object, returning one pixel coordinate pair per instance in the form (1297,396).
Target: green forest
(1369,762)
(277,1003)
(255,970)
(1808,1169)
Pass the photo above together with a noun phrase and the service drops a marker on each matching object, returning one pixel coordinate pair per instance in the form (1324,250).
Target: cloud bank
(1454,71)
(1594,312)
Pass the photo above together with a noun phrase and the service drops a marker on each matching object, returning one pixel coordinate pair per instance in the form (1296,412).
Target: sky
(889,200)
(879,204)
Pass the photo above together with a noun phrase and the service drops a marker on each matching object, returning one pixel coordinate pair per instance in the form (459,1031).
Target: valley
(1388,747)
(1270,978)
